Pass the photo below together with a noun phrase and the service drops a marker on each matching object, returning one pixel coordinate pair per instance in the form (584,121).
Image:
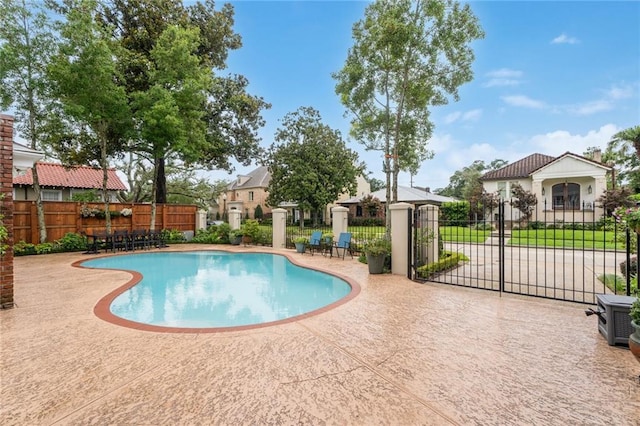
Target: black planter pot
(376,263)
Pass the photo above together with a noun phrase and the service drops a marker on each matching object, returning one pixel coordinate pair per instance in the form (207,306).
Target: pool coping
(102,311)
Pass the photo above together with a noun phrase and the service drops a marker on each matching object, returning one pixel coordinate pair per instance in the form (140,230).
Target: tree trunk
(105,180)
(161,182)
(152,225)
(42,225)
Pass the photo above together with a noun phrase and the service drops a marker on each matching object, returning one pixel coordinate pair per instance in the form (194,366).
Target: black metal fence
(568,255)
(360,234)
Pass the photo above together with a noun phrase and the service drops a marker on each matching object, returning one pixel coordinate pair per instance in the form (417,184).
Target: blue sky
(550,77)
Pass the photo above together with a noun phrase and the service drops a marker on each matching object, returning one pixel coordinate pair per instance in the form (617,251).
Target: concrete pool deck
(398,353)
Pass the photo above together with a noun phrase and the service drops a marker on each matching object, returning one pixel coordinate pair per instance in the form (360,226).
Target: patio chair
(315,242)
(344,244)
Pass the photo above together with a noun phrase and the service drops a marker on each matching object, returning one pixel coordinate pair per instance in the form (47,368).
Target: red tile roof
(84,177)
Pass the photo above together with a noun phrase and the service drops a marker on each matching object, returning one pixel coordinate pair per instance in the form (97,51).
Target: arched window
(566,196)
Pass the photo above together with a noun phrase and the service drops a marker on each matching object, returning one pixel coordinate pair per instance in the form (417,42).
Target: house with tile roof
(566,186)
(59,183)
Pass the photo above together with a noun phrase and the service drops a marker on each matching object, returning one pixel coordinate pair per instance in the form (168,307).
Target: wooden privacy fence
(66,216)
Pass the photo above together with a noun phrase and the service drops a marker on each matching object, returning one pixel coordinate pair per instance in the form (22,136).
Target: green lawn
(461,234)
(567,238)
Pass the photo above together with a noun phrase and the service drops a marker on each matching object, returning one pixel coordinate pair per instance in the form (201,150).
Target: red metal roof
(85,177)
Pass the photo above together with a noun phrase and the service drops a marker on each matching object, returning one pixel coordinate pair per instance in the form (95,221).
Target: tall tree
(465,182)
(170,112)
(26,45)
(309,163)
(85,78)
(407,56)
(232,116)
(623,152)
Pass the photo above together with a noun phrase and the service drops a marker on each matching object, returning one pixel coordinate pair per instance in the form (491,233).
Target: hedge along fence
(66,216)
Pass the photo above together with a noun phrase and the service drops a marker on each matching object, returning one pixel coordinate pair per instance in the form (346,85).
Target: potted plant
(377,251)
(301,244)
(235,237)
(327,238)
(634,339)
(250,231)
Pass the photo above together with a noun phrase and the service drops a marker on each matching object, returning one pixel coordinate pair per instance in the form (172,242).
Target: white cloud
(561,141)
(523,101)
(619,92)
(565,39)
(450,118)
(503,77)
(591,107)
(472,115)
(504,73)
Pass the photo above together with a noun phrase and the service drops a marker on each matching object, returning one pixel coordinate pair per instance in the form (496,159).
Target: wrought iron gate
(569,260)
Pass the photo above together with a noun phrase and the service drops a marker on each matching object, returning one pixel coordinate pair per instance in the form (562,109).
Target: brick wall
(6,207)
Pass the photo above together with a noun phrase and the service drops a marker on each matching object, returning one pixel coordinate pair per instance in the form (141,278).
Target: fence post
(279,220)
(501,245)
(399,238)
(429,233)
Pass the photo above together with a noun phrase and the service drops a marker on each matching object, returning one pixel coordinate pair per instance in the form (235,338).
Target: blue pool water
(218,289)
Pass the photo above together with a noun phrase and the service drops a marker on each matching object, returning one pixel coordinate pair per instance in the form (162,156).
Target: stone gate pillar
(279,218)
(400,237)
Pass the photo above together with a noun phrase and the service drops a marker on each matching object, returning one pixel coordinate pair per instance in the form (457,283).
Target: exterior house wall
(27,193)
(362,188)
(6,207)
(243,194)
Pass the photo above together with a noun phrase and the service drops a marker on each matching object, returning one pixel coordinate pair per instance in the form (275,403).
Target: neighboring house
(412,195)
(566,187)
(59,183)
(250,190)
(246,193)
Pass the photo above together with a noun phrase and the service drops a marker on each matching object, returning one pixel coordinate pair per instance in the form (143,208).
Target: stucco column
(400,237)
(235,219)
(201,219)
(340,221)
(279,218)
(428,233)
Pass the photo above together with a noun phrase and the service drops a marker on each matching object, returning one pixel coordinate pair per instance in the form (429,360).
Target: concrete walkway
(399,353)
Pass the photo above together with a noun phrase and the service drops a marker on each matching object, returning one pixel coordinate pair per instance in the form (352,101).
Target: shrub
(455,213)
(447,261)
(72,242)
(250,228)
(207,236)
(483,226)
(22,248)
(258,214)
(536,225)
(633,267)
(172,236)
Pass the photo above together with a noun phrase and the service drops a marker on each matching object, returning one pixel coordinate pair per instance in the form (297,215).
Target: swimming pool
(201,290)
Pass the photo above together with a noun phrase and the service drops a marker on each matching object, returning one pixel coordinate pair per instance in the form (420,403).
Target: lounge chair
(344,244)
(315,242)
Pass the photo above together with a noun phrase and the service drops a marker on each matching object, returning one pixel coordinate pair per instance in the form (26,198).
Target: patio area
(398,353)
